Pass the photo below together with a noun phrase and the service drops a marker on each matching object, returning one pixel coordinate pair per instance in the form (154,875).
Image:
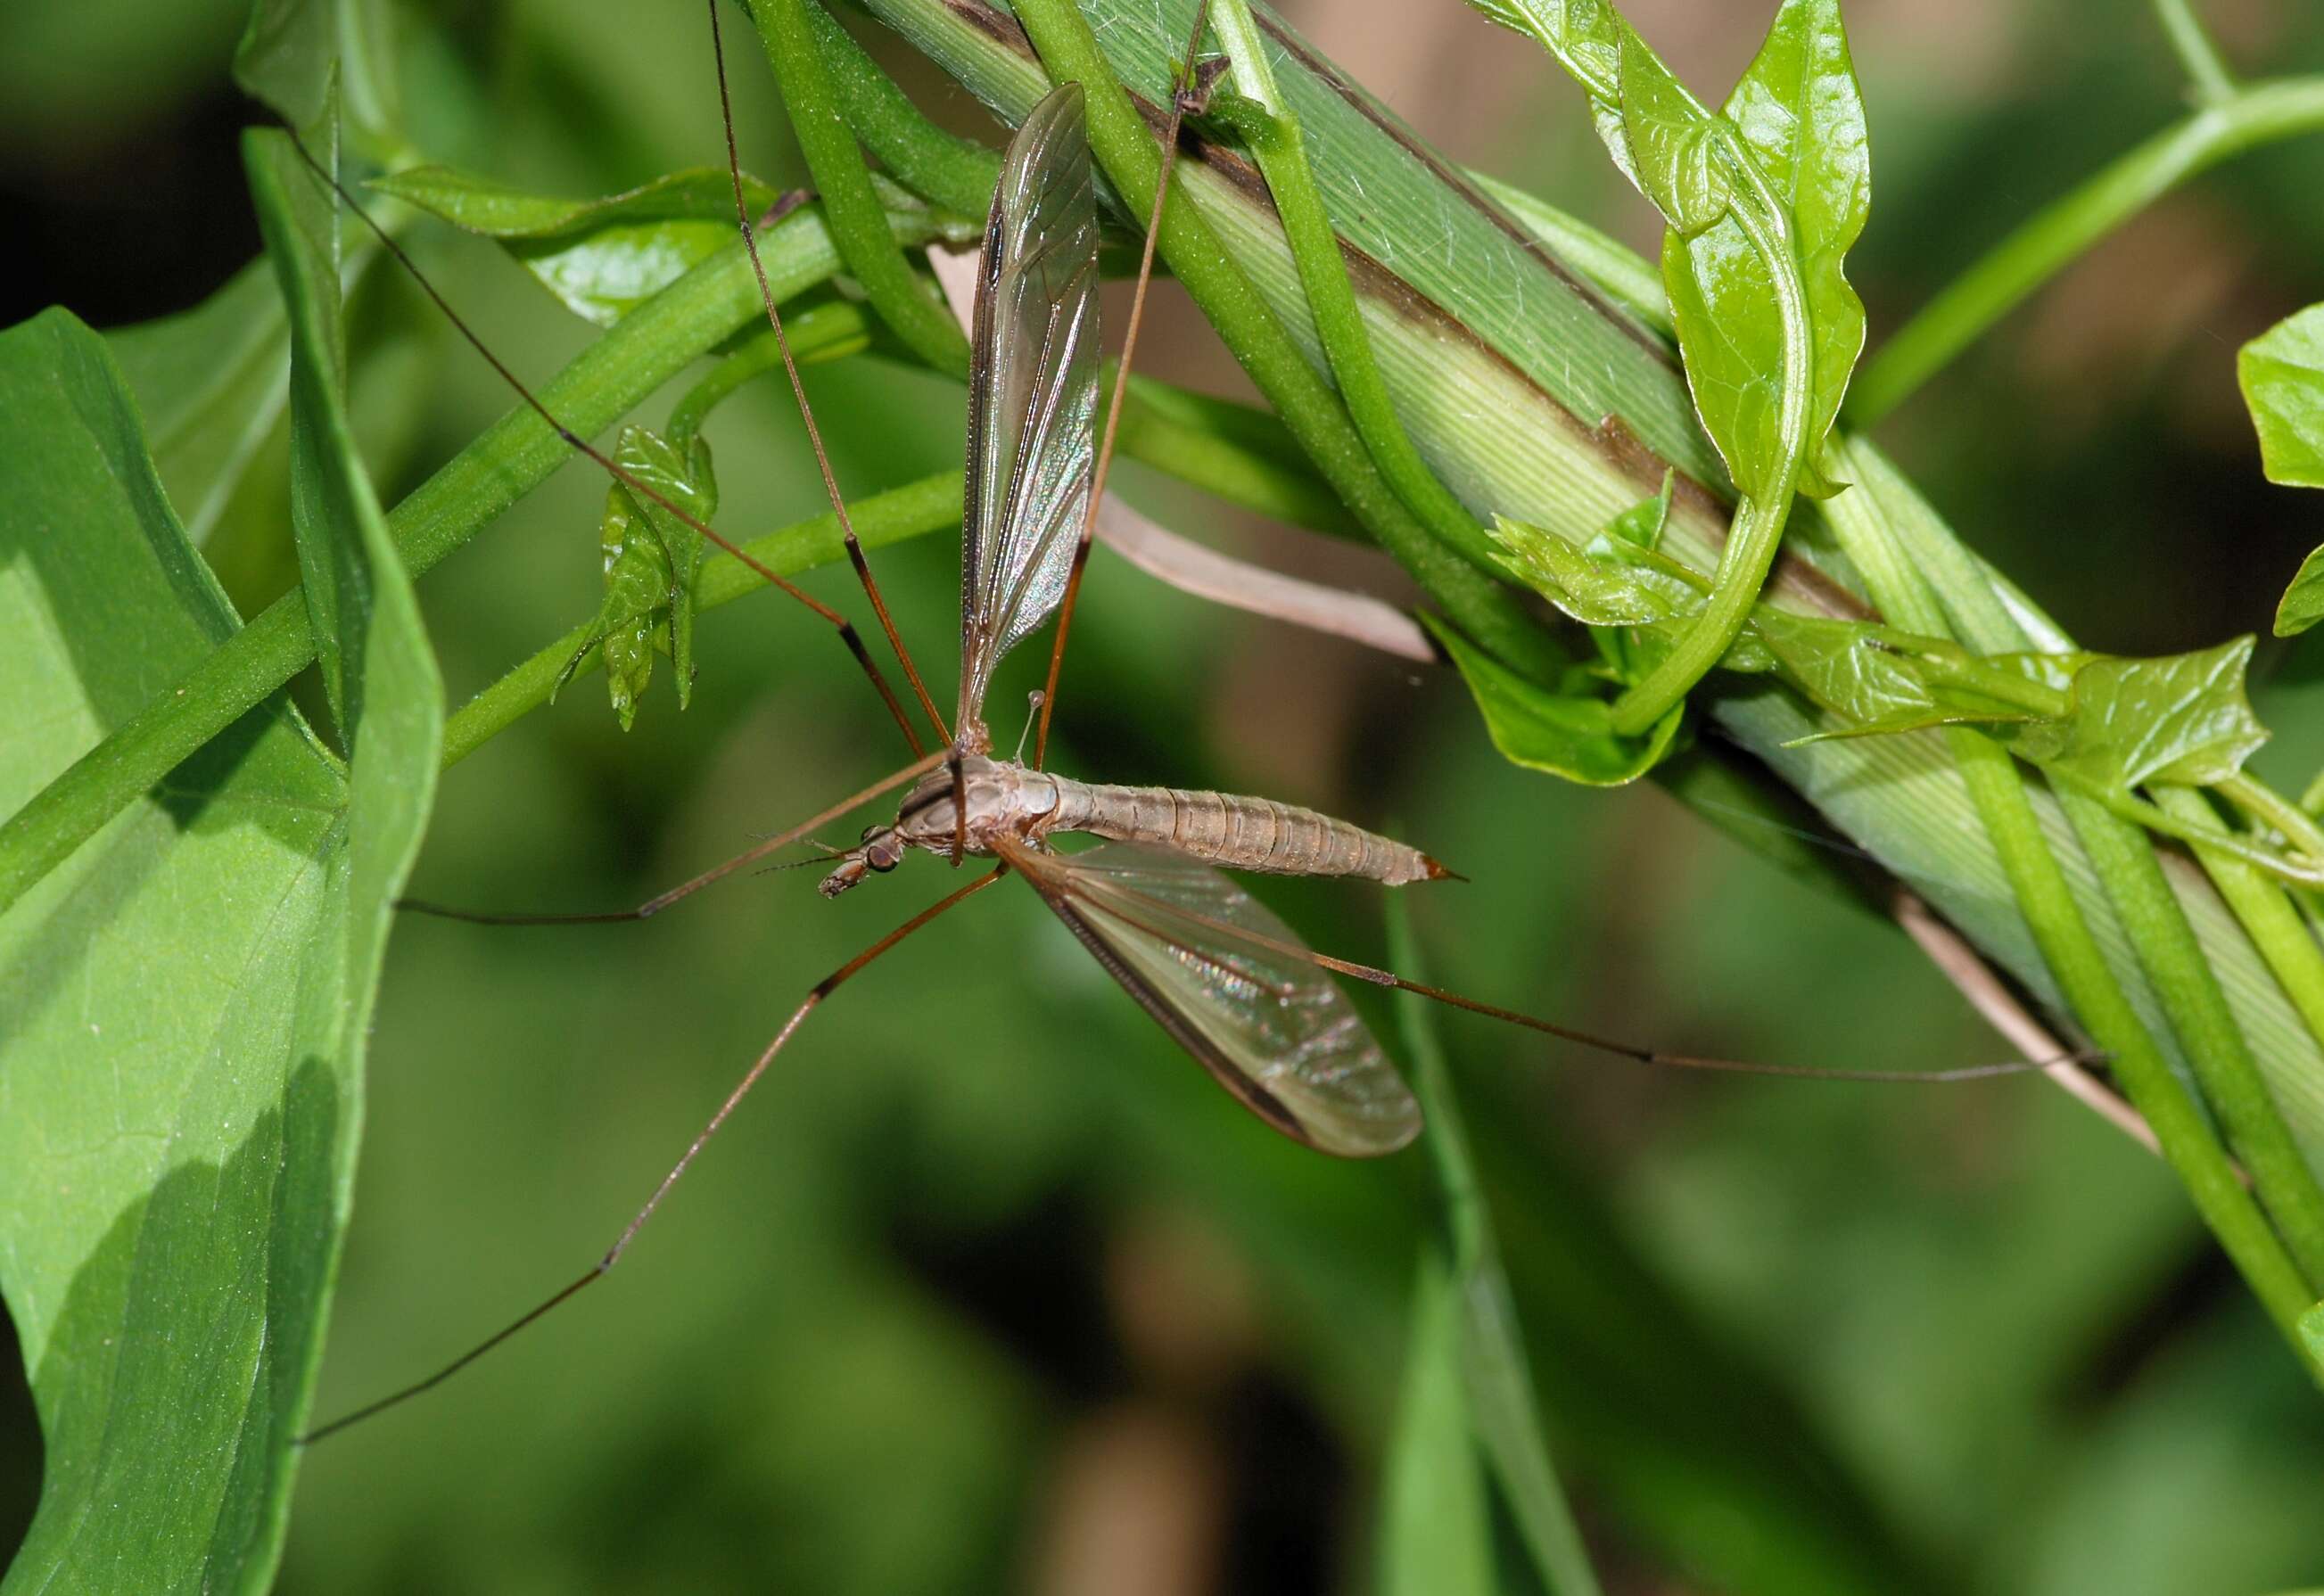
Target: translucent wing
(1190,944)
(1032,392)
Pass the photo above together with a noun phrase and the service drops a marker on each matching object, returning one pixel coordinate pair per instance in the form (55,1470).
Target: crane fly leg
(1180,103)
(733,1100)
(807,411)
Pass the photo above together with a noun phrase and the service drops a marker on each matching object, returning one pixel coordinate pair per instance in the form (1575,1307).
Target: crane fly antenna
(582,446)
(716,873)
(855,556)
(1185,97)
(604,1264)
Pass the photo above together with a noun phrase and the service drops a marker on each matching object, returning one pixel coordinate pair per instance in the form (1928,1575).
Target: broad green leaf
(1797,117)
(1568,736)
(209,383)
(292,52)
(1870,676)
(2311,1333)
(2182,718)
(1436,1521)
(651,560)
(183,1006)
(2282,376)
(1800,113)
(2302,605)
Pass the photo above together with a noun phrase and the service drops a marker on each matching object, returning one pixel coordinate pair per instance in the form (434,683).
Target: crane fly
(1223,975)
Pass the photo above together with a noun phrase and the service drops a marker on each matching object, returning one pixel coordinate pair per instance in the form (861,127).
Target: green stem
(828,331)
(650,345)
(858,221)
(955,172)
(931,504)
(1125,148)
(2215,1045)
(1281,148)
(1757,531)
(2267,913)
(2270,808)
(2037,251)
(2097,1000)
(2206,67)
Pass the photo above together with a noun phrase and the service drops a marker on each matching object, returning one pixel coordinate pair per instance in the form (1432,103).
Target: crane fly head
(880,851)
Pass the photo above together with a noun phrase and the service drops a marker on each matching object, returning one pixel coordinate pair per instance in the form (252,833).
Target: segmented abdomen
(1240,833)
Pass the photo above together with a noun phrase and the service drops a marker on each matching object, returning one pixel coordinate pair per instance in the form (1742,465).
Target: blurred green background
(989,1288)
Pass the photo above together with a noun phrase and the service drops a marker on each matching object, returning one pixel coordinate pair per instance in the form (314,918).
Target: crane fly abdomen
(1240,833)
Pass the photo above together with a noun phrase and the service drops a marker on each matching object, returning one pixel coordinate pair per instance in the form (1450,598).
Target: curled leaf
(1565,734)
(652,558)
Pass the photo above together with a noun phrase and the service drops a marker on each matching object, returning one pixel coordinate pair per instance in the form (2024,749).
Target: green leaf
(183,1008)
(1586,38)
(1857,671)
(1797,117)
(1569,737)
(603,257)
(209,382)
(1436,1525)
(2311,1332)
(292,52)
(651,560)
(2282,376)
(2302,605)
(1595,592)
(2182,718)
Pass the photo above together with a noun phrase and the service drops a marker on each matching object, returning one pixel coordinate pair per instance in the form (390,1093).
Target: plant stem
(1756,530)
(2258,114)
(1124,147)
(955,172)
(858,223)
(1282,151)
(2206,67)
(931,504)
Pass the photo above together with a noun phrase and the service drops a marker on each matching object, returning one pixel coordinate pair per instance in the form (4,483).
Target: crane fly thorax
(999,797)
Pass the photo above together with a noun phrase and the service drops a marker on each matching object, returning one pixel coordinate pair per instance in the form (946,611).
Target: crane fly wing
(1032,402)
(1277,1032)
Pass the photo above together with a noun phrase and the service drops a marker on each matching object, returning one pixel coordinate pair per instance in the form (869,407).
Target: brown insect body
(1007,800)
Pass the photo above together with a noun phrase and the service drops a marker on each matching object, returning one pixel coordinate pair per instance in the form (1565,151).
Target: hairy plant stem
(1124,146)
(858,223)
(2254,115)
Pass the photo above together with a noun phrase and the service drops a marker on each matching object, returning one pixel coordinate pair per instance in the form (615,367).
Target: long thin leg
(612,1255)
(798,392)
(1389,978)
(1180,103)
(654,905)
(582,446)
